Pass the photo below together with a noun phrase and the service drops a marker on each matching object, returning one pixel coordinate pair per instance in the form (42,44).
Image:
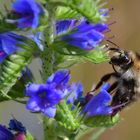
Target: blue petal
(50,111)
(84,27)
(86,37)
(22,6)
(33,104)
(100,27)
(81,43)
(29,11)
(99,104)
(33,89)
(3,55)
(59,77)
(64,25)
(105,86)
(104,110)
(25,22)
(76,92)
(53,96)
(9,45)
(5,134)
(16,126)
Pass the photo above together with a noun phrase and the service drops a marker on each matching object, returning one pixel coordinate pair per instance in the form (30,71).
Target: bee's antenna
(112,43)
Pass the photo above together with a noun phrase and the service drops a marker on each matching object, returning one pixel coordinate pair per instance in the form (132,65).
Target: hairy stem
(48,55)
(48,62)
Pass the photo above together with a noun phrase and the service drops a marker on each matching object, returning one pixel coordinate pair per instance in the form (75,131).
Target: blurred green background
(127,35)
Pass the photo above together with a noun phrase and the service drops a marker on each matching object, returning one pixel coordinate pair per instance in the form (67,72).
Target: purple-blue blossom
(28,13)
(17,126)
(5,133)
(15,129)
(8,44)
(45,97)
(81,34)
(99,104)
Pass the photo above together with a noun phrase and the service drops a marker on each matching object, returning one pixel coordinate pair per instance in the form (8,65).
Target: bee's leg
(113,87)
(104,79)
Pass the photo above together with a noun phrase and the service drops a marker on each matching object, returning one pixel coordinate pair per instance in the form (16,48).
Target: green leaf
(68,118)
(12,67)
(102,121)
(66,13)
(96,56)
(14,93)
(71,60)
(5,27)
(66,49)
(90,9)
(11,71)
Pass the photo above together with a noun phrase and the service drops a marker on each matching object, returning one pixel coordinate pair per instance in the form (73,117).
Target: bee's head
(120,58)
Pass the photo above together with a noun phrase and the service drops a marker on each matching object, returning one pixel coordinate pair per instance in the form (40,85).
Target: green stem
(49,129)
(48,60)
(98,133)
(48,55)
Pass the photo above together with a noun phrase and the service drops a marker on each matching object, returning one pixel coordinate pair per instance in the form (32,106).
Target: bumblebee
(126,87)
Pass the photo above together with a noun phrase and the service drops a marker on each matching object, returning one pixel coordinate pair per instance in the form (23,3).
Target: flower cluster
(81,34)
(28,13)
(59,39)
(75,33)
(45,97)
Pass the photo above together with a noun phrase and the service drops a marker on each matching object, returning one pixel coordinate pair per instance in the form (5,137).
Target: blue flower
(99,104)
(85,35)
(5,134)
(8,134)
(17,126)
(28,11)
(45,97)
(8,44)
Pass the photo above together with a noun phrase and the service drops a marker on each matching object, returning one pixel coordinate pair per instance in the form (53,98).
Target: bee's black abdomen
(124,94)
